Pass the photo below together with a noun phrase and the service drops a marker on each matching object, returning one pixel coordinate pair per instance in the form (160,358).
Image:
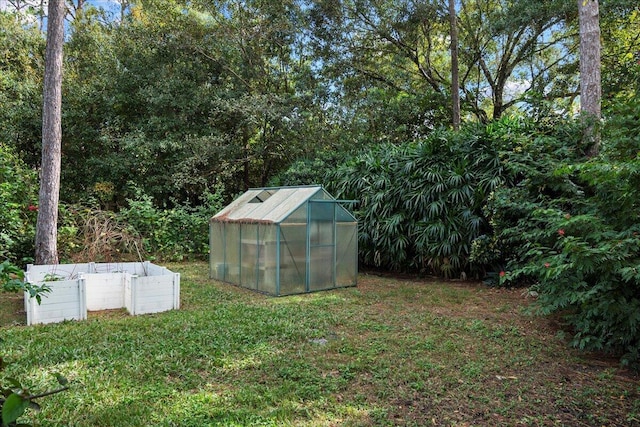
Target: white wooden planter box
(141,288)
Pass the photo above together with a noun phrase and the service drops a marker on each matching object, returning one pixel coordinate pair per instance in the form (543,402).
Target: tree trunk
(46,228)
(590,82)
(41,14)
(123,7)
(498,100)
(76,6)
(455,79)
(247,158)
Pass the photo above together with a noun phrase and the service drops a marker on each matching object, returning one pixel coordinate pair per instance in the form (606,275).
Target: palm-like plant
(420,203)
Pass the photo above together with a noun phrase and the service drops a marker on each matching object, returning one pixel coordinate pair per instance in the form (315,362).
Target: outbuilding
(285,240)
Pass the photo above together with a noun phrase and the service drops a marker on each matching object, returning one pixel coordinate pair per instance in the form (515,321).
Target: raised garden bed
(140,287)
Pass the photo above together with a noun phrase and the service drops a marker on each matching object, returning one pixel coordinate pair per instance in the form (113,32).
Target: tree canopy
(174,97)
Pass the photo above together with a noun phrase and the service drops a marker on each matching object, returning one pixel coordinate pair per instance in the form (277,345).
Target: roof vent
(262,196)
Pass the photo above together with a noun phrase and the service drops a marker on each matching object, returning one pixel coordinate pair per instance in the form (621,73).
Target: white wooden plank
(151,289)
(104,291)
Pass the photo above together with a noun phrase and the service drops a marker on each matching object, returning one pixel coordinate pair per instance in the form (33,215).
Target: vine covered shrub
(141,230)
(420,203)
(91,234)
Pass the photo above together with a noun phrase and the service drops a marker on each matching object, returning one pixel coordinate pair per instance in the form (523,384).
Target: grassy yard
(389,352)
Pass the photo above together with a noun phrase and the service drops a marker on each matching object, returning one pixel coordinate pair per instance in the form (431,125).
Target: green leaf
(13,408)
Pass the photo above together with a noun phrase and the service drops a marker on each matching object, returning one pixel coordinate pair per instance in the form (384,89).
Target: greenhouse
(285,240)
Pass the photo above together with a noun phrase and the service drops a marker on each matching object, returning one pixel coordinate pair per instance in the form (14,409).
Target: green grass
(11,309)
(389,352)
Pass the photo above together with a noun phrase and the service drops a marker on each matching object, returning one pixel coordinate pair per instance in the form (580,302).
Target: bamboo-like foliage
(420,203)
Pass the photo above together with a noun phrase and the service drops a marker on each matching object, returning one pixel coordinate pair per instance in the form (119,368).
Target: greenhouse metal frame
(284,241)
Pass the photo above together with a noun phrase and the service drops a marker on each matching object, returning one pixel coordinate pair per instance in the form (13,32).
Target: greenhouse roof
(269,205)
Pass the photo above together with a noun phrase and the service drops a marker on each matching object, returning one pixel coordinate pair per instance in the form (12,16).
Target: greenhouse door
(322,243)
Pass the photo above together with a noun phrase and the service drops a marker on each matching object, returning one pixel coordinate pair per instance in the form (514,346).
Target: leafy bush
(590,272)
(18,198)
(534,178)
(571,228)
(12,280)
(420,203)
(519,203)
(140,230)
(310,170)
(177,233)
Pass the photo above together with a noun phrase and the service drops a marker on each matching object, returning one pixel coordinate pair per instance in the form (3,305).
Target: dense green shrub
(88,232)
(521,204)
(420,203)
(590,271)
(177,233)
(18,198)
(141,230)
(533,159)
(310,171)
(570,227)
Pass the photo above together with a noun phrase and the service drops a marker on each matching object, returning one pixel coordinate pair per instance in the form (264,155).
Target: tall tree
(46,228)
(75,7)
(590,81)
(507,49)
(620,26)
(455,77)
(208,92)
(21,67)
(513,44)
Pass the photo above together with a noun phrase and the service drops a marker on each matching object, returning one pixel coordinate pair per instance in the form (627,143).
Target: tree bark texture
(455,78)
(590,81)
(46,228)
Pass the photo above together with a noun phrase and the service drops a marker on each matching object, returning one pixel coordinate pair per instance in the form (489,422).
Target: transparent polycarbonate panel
(321,223)
(267,258)
(299,216)
(237,203)
(321,233)
(217,266)
(321,211)
(293,258)
(321,195)
(343,215)
(257,206)
(285,201)
(232,251)
(249,250)
(321,268)
(347,254)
